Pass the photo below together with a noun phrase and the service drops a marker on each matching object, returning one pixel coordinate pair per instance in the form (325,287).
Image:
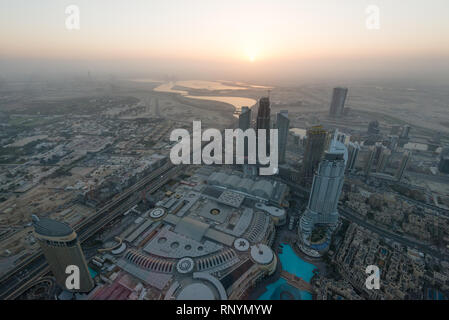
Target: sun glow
(252,54)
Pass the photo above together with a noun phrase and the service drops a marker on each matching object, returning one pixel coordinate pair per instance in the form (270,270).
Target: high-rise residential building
(369,160)
(313,153)
(353,153)
(382,162)
(322,208)
(282,124)
(379,148)
(341,137)
(338,102)
(393,141)
(61,249)
(403,165)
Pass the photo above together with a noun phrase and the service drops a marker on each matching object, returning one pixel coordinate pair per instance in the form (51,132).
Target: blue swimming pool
(295,265)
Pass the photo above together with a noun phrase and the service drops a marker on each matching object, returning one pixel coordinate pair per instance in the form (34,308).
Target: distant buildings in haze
(338,102)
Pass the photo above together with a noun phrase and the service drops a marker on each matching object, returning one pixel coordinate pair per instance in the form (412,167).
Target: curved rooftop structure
(185,265)
(245,185)
(217,178)
(120,249)
(196,291)
(241,244)
(262,254)
(157,213)
(216,248)
(273,211)
(232,181)
(262,188)
(51,228)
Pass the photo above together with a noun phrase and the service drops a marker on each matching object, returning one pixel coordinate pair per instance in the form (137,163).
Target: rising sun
(251,54)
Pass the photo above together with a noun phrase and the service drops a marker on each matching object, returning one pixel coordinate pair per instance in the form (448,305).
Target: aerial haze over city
(238,150)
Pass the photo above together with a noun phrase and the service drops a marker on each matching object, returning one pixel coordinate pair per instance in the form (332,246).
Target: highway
(441,211)
(353,217)
(16,281)
(440,179)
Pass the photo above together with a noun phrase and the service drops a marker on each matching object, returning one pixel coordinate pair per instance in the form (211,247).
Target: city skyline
(135,162)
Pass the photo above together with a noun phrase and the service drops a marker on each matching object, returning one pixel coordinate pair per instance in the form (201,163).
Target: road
(435,178)
(441,211)
(354,217)
(16,281)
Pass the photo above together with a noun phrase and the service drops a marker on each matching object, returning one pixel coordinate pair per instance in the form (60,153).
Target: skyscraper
(245,124)
(61,248)
(393,142)
(338,102)
(353,153)
(325,193)
(341,137)
(263,114)
(245,118)
(263,122)
(282,124)
(383,160)
(370,160)
(373,127)
(315,144)
(403,165)
(405,132)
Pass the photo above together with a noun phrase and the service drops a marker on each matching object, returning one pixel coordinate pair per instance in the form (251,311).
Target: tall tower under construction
(61,248)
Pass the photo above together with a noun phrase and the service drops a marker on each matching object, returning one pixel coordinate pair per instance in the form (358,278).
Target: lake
(236,102)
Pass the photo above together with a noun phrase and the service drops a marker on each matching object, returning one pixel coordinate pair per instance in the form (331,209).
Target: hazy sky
(240,35)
